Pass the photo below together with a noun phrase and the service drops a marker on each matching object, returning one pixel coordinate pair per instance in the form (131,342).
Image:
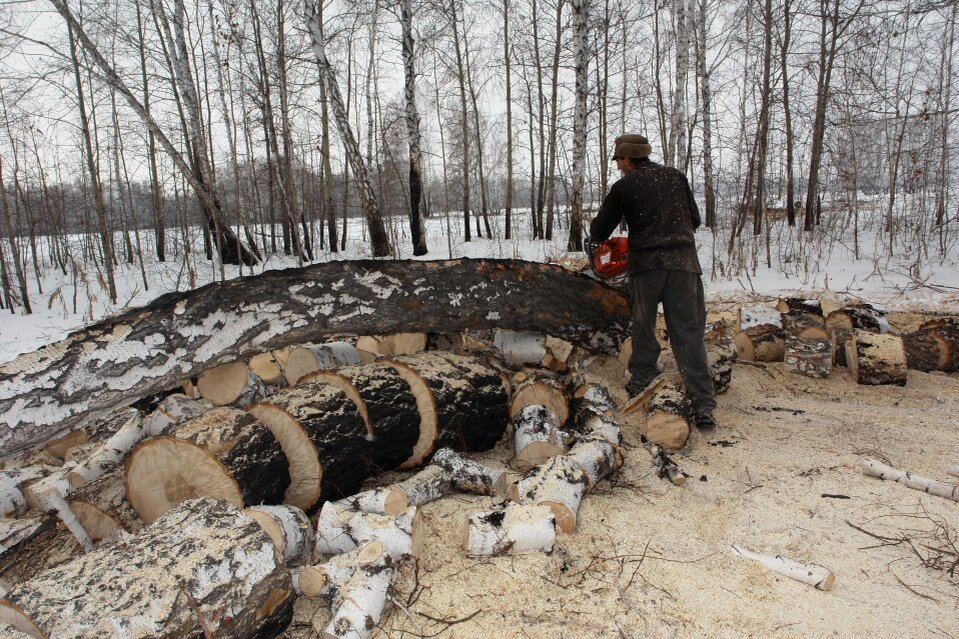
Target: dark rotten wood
(93,371)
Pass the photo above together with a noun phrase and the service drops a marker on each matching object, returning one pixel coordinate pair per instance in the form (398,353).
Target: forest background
(213,138)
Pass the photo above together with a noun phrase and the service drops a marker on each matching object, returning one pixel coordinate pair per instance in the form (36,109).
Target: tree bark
(417,231)
(203,569)
(146,350)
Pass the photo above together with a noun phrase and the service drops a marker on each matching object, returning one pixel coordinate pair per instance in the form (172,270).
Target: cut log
(720,355)
(430,484)
(876,359)
(665,467)
(809,356)
(66,385)
(270,366)
(540,387)
(762,343)
(558,353)
(560,484)
(289,528)
(839,338)
(593,417)
(667,417)
(232,384)
(864,317)
(303,360)
(225,453)
(875,468)
(470,476)
(462,402)
(537,436)
(13,502)
(946,330)
(805,325)
(340,529)
(597,458)
(926,351)
(800,305)
(33,543)
(519,349)
(510,528)
(324,438)
(753,315)
(395,344)
(324,580)
(102,507)
(204,569)
(387,405)
(58,447)
(812,574)
(358,601)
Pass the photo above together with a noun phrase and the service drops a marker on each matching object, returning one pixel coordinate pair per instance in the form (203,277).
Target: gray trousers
(684,307)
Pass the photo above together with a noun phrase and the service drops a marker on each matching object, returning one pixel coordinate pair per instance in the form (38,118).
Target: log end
(222,385)
(304,464)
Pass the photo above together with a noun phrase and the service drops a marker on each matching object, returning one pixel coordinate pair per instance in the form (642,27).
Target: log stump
(202,569)
(877,359)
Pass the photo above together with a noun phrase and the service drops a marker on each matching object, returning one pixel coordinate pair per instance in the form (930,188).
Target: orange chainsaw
(610,258)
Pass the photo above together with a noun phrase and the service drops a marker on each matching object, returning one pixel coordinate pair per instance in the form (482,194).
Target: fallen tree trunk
(203,569)
(96,370)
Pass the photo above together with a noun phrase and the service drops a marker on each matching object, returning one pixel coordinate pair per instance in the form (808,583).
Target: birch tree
(579,23)
(417,232)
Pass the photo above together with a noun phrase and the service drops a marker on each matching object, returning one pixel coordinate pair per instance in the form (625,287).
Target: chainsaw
(608,260)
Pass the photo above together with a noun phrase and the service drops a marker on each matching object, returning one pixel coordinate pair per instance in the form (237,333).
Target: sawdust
(780,475)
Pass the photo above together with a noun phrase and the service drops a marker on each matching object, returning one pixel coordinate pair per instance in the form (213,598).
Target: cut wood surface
(540,387)
(289,528)
(667,417)
(462,402)
(270,366)
(863,317)
(203,569)
(303,360)
(232,383)
(946,330)
(386,403)
(806,325)
(102,506)
(761,343)
(876,359)
(395,344)
(510,528)
(96,370)
(800,305)
(840,336)
(324,580)
(559,484)
(225,453)
(324,438)
(537,436)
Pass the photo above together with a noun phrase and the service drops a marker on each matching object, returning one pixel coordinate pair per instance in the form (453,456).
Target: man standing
(661,215)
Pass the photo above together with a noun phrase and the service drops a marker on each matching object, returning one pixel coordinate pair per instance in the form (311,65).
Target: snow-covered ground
(821,263)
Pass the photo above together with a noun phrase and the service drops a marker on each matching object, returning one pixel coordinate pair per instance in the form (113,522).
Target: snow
(804,265)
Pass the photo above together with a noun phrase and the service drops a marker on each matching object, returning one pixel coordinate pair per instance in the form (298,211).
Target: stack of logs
(797,333)
(198,473)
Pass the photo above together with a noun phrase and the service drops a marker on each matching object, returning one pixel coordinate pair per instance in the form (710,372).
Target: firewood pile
(213,512)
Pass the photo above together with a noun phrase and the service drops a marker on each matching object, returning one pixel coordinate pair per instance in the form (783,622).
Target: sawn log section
(70,383)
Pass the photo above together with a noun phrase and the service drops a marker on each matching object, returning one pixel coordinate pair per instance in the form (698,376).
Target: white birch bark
(875,468)
(360,600)
(469,475)
(559,484)
(954,470)
(340,529)
(289,528)
(509,529)
(815,575)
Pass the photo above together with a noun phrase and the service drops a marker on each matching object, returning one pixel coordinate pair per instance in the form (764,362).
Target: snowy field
(920,275)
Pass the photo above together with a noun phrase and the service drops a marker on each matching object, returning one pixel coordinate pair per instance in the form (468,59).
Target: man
(661,215)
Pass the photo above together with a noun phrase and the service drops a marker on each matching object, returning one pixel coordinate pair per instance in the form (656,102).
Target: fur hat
(632,146)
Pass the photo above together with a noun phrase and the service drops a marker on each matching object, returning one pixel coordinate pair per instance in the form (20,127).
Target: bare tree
(417,232)
(580,22)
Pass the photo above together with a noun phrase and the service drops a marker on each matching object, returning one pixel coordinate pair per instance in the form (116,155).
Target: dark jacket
(661,215)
